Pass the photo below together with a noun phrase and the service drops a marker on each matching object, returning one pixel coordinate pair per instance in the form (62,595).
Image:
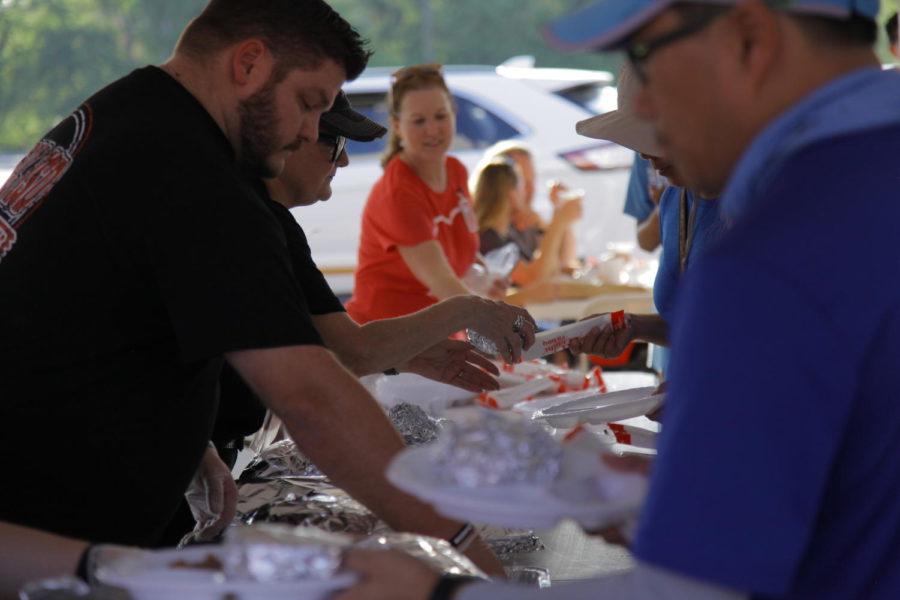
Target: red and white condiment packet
(548,342)
(630,435)
(506,398)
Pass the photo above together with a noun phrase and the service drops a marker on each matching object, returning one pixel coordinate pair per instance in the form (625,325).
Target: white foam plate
(520,506)
(602,408)
(151,577)
(530,407)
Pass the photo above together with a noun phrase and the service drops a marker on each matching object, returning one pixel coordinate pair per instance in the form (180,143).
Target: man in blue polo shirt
(775,478)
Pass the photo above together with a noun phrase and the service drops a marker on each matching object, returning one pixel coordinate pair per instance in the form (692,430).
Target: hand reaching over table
(510,328)
(610,343)
(605,341)
(457,363)
(212,496)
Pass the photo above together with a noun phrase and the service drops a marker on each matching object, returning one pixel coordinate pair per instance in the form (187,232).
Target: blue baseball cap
(607,23)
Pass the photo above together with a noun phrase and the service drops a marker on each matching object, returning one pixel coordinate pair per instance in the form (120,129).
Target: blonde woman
(419,234)
(500,193)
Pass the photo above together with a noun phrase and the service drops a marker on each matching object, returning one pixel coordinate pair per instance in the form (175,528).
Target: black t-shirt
(319,296)
(240,411)
(133,255)
(526,240)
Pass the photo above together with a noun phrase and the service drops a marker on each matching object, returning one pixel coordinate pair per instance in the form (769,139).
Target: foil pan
(495,450)
(271,553)
(326,508)
(281,460)
(254,496)
(435,552)
(413,424)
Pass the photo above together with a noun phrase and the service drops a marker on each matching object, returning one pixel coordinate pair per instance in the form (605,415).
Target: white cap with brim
(605,24)
(622,126)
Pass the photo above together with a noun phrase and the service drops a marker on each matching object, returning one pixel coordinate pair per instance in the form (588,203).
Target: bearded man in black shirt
(135,254)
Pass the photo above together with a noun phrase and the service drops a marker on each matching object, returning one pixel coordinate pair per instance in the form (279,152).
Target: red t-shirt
(403,211)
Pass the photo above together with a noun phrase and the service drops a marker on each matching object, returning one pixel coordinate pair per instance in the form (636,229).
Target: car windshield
(597,98)
(476,127)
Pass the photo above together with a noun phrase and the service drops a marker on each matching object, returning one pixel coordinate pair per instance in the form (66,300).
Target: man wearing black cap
(413,343)
(777,476)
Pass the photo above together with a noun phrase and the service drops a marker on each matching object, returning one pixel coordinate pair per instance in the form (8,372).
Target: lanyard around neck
(687,223)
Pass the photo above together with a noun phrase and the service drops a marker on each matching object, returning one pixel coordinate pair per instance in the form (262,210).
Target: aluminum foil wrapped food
(495,450)
(270,553)
(482,343)
(434,552)
(281,460)
(287,502)
(414,424)
(505,541)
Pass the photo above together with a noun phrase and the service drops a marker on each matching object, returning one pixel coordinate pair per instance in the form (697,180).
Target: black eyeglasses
(337,143)
(640,52)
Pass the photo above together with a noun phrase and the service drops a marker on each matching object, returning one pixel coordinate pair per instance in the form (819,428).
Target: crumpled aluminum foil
(281,460)
(286,502)
(531,576)
(413,424)
(506,542)
(482,343)
(270,553)
(435,552)
(494,450)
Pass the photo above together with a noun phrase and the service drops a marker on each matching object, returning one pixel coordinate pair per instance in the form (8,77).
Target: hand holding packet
(553,340)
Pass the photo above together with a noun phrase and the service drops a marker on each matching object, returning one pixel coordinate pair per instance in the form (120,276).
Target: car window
(476,127)
(374,106)
(597,98)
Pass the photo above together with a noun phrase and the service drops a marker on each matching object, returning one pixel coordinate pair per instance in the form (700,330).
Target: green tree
(54,53)
(466,31)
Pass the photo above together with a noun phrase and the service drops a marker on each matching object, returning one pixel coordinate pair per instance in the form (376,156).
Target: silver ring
(518,324)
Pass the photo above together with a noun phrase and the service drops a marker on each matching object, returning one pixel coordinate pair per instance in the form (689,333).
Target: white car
(539,106)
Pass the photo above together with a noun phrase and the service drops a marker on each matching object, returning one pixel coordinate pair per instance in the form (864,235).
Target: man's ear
(759,35)
(251,63)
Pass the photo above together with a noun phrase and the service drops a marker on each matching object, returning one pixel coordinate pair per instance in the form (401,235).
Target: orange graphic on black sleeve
(37,173)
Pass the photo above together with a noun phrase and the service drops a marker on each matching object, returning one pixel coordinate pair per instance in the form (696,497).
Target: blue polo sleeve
(747,443)
(637,198)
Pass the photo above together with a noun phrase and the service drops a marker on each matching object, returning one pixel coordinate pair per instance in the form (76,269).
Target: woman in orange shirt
(419,233)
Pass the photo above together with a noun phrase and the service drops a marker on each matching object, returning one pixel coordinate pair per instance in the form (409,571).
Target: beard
(258,132)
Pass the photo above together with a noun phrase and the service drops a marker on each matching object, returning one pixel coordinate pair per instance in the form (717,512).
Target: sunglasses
(336,142)
(639,53)
(426,69)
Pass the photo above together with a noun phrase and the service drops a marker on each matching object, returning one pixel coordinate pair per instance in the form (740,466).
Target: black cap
(343,120)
